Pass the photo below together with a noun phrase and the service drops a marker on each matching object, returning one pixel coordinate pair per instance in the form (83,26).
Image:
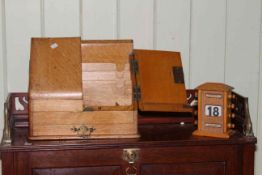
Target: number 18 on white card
(213,111)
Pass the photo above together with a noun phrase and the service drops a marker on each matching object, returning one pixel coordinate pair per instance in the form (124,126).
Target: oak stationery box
(93,89)
(81,89)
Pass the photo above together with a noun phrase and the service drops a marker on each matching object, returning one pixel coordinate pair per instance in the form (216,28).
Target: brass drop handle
(83,131)
(131,170)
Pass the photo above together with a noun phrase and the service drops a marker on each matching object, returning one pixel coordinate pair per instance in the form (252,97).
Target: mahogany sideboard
(162,149)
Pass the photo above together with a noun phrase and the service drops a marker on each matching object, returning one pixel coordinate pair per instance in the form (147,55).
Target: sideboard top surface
(150,136)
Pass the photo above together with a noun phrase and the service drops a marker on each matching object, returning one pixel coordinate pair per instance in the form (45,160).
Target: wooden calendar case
(215,110)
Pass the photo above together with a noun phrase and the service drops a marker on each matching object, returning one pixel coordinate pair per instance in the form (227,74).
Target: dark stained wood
(167,117)
(164,149)
(19,111)
(248,159)
(214,168)
(22,164)
(8,163)
(103,170)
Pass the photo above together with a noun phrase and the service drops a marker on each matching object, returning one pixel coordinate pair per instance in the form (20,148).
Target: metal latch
(83,131)
(137,93)
(178,74)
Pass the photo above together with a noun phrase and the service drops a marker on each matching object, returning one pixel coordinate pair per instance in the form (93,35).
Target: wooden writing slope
(79,90)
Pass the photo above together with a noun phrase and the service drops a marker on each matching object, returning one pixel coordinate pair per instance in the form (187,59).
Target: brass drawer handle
(131,155)
(83,131)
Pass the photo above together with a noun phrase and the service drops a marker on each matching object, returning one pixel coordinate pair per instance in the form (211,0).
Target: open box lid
(159,81)
(67,74)
(55,69)
(96,75)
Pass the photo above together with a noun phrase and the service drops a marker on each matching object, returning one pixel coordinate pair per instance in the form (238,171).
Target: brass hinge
(137,93)
(133,64)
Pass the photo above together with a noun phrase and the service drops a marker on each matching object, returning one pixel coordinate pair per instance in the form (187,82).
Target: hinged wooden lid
(55,69)
(160,80)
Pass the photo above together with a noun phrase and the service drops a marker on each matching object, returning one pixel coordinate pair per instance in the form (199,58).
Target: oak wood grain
(107,124)
(159,90)
(55,68)
(106,74)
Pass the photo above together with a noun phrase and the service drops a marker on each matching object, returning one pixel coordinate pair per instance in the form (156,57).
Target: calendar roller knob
(231,106)
(231,96)
(232,115)
(195,112)
(231,125)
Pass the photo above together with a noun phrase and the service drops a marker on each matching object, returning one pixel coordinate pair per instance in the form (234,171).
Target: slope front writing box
(81,89)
